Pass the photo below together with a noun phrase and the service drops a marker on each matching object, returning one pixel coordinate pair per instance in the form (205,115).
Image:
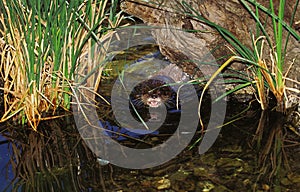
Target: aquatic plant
(265,62)
(262,75)
(41,45)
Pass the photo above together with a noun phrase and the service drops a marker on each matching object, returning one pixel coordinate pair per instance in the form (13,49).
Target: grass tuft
(41,46)
(265,70)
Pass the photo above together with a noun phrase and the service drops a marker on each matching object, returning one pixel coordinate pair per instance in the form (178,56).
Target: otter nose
(154,96)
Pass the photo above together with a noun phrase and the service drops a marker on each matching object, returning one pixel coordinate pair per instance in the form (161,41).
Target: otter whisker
(153,93)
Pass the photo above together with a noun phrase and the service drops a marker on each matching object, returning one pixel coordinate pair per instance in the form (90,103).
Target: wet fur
(152,89)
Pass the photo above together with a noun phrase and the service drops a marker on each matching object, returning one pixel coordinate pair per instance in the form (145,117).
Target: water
(6,172)
(57,159)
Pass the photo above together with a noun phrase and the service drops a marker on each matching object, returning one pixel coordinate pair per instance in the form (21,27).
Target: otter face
(152,99)
(152,93)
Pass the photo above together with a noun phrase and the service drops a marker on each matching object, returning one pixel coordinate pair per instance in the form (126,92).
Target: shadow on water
(244,157)
(6,174)
(273,142)
(52,159)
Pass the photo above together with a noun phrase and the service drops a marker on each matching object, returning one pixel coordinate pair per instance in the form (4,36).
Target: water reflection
(57,159)
(53,159)
(6,173)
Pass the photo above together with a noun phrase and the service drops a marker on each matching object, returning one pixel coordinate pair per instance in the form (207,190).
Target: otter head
(152,92)
(152,98)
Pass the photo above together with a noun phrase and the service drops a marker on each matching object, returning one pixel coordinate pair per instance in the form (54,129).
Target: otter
(154,92)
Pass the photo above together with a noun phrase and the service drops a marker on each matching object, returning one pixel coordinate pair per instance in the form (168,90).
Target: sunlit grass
(265,63)
(42,43)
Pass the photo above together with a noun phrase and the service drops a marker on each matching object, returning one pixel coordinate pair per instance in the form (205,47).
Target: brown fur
(152,93)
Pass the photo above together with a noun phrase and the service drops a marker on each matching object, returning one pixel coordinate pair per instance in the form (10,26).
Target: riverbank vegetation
(41,44)
(267,72)
(266,58)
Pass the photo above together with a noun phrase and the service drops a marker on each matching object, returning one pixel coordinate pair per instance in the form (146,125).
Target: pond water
(57,159)
(253,152)
(6,172)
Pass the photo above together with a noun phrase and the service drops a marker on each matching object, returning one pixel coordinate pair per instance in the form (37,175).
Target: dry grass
(41,52)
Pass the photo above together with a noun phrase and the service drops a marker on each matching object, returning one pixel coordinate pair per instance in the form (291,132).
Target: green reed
(44,41)
(261,74)
(265,61)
